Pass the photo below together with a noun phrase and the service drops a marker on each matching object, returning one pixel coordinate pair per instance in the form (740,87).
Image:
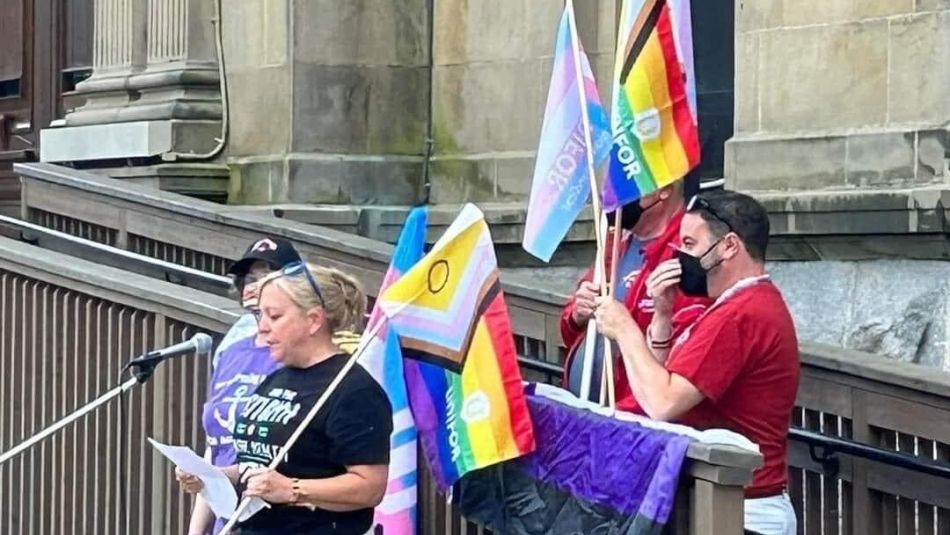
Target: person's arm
(361,487)
(673,312)
(662,395)
(201,517)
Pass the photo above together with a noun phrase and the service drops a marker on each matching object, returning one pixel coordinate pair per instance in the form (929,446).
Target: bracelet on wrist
(659,344)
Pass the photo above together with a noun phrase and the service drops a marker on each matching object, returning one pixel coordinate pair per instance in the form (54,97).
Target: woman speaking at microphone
(336,473)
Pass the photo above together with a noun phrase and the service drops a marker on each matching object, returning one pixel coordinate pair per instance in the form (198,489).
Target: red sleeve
(713,355)
(570,331)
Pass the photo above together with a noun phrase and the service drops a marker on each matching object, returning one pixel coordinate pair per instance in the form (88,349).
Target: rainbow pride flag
(561,186)
(653,117)
(383,359)
(463,378)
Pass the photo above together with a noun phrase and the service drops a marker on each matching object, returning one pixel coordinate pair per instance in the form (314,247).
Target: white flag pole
(587,369)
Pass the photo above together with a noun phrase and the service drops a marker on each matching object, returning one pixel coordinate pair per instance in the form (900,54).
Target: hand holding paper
(217,489)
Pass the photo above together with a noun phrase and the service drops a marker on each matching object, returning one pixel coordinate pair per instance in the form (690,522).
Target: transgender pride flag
(561,185)
(396,515)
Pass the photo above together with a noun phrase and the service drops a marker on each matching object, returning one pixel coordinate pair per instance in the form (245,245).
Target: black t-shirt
(352,428)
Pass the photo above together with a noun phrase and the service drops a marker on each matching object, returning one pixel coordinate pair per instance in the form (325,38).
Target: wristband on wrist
(659,344)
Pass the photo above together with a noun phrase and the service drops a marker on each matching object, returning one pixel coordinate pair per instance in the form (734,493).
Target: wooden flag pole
(589,346)
(612,288)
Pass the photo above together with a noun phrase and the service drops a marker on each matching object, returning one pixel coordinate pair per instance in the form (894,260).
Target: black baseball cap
(277,252)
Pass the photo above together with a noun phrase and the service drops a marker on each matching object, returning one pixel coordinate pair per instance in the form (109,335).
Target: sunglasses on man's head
(698,203)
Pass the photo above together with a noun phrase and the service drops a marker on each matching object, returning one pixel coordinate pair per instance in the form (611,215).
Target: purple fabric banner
(590,473)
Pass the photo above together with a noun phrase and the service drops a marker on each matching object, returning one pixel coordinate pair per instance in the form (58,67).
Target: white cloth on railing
(708,436)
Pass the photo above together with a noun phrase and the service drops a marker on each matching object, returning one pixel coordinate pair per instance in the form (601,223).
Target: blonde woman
(335,475)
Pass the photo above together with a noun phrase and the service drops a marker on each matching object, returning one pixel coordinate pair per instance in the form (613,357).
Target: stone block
(933,154)
(919,69)
(901,310)
(513,180)
(330,108)
(821,311)
(487,30)
(359,109)
(933,5)
(314,181)
(487,107)
(353,181)
(747,83)
(894,308)
(398,110)
(263,124)
(540,27)
(459,179)
(254,34)
(382,181)
(823,77)
(361,32)
(256,180)
(809,12)
(885,159)
(785,164)
(596,24)
(758,15)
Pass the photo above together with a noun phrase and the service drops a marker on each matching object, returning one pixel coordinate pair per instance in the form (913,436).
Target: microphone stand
(142,370)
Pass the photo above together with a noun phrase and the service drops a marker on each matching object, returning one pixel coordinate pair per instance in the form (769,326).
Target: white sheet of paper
(218,490)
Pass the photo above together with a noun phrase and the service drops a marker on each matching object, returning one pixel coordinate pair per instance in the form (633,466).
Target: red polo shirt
(742,354)
(685,309)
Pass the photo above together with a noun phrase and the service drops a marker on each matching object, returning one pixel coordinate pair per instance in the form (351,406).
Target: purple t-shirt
(239,366)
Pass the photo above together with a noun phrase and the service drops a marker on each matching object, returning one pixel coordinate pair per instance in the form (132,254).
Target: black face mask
(694,277)
(631,214)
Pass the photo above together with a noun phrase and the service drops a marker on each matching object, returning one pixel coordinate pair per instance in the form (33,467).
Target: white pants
(770,516)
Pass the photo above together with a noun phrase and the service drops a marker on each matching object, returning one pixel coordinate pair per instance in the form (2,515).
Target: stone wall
(330,100)
(840,94)
(896,308)
(491,69)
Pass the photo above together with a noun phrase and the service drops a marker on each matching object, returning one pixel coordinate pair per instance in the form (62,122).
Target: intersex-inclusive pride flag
(463,380)
(561,185)
(653,116)
(396,515)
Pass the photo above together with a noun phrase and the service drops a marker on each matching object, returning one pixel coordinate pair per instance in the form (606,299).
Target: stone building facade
(837,116)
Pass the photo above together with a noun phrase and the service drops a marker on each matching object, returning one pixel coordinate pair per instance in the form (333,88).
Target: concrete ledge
(859,224)
(852,160)
(141,139)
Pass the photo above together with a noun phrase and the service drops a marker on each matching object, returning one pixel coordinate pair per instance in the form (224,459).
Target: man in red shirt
(652,228)
(737,366)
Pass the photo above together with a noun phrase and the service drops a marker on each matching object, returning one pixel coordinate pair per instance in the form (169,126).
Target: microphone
(199,343)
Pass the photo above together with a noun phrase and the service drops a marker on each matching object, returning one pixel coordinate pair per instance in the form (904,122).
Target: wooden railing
(69,325)
(892,405)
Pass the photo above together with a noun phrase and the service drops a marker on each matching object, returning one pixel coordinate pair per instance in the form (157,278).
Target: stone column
(334,101)
(118,52)
(154,94)
(154,87)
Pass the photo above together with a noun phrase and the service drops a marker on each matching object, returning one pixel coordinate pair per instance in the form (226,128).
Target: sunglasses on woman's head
(297,267)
